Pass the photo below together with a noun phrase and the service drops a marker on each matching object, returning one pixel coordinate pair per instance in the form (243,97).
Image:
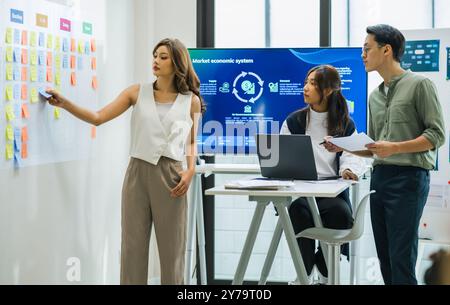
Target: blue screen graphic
(254,90)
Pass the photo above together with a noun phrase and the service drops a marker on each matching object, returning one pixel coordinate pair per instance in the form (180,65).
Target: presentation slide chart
(43,47)
(421,56)
(448,63)
(250,91)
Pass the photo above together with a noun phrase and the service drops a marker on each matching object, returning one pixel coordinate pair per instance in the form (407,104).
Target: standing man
(407,124)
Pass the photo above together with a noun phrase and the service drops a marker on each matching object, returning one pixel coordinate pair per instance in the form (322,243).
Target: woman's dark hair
(385,34)
(186,78)
(327,78)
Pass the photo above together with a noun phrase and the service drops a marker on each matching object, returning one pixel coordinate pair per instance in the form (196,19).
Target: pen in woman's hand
(325,141)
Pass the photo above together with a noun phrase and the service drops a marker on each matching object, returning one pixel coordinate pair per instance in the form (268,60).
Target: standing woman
(326,115)
(163,130)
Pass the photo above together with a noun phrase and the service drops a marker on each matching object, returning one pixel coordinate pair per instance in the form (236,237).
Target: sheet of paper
(356,142)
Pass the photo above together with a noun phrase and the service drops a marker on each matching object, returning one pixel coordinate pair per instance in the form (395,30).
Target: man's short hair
(385,34)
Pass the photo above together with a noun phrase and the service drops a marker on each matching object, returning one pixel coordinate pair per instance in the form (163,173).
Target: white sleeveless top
(152,137)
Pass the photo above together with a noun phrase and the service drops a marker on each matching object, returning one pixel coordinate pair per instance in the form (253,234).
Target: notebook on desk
(287,157)
(259,184)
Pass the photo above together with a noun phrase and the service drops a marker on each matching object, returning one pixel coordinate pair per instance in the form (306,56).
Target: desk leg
(291,241)
(318,223)
(249,243)
(196,188)
(201,234)
(354,245)
(271,253)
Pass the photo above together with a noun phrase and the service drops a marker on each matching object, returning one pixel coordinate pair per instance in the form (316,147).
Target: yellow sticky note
(58,61)
(80,47)
(9,36)
(33,39)
(58,43)
(9,113)
(58,77)
(33,74)
(34,98)
(9,133)
(9,72)
(33,57)
(9,54)
(9,93)
(9,151)
(49,41)
(57,113)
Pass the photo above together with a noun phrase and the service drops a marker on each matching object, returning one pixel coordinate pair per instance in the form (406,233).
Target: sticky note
(65,45)
(73,45)
(33,57)
(25,112)
(9,113)
(49,41)
(73,62)
(24,38)
(57,44)
(24,150)
(9,36)
(17,110)
(9,133)
(34,97)
(94,82)
(24,91)
(49,59)
(17,138)
(93,45)
(16,91)
(24,134)
(94,63)
(33,39)
(58,61)
(41,60)
(80,63)
(41,40)
(73,79)
(57,113)
(16,56)
(49,75)
(16,36)
(16,72)
(9,151)
(9,72)
(93,132)
(24,74)
(58,77)
(9,93)
(24,56)
(87,48)
(41,75)
(65,63)
(9,54)
(80,47)
(33,74)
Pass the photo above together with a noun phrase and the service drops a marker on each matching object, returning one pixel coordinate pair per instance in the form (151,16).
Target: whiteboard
(53,134)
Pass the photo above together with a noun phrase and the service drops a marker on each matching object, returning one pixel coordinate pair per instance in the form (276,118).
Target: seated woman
(326,115)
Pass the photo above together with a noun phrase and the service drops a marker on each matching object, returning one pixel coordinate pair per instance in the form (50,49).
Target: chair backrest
(358,225)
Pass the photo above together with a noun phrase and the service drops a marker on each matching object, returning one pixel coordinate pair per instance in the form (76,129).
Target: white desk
(281,199)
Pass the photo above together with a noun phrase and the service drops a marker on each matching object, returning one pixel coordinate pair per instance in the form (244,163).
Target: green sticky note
(9,133)
(33,74)
(57,44)
(9,54)
(80,47)
(49,41)
(58,78)
(9,113)
(34,58)
(34,98)
(9,93)
(33,39)
(9,36)
(9,151)
(9,72)
(57,113)
(58,61)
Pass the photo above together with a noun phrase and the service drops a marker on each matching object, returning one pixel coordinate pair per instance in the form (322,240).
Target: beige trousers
(145,201)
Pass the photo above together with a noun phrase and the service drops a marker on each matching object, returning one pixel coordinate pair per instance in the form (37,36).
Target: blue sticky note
(16,36)
(87,48)
(41,75)
(17,159)
(44,94)
(41,39)
(16,56)
(65,62)
(80,63)
(65,45)
(17,113)
(16,73)
(16,91)
(17,137)
(41,58)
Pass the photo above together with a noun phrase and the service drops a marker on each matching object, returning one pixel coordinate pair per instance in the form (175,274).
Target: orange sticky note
(25,112)
(49,75)
(73,61)
(24,74)
(24,56)
(73,79)
(94,82)
(24,92)
(94,63)
(24,38)
(25,134)
(49,59)
(24,150)
(94,132)
(73,45)
(93,46)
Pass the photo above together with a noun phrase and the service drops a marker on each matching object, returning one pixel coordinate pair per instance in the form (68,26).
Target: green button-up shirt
(410,109)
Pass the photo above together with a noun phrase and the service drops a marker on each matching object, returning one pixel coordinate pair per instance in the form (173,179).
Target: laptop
(287,157)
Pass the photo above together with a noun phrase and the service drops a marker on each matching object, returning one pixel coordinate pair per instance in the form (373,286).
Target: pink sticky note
(24,38)
(24,56)
(73,79)
(25,134)
(49,59)
(24,74)
(25,112)
(73,61)
(93,132)
(93,46)
(73,45)
(94,82)
(49,75)
(24,150)
(24,94)
(94,63)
